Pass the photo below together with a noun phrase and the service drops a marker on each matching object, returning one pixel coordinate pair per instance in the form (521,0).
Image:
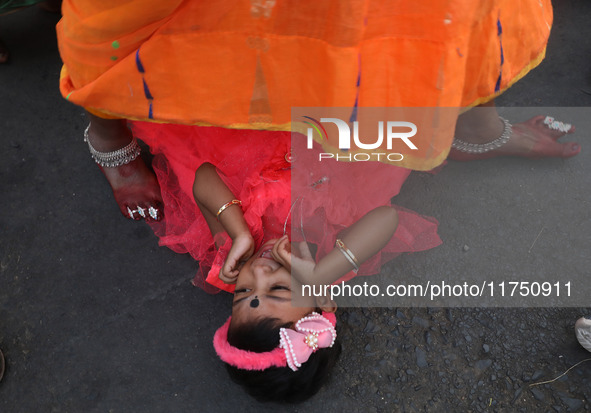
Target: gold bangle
(226,205)
(348,254)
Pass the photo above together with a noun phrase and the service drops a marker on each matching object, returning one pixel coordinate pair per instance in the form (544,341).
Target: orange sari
(245,64)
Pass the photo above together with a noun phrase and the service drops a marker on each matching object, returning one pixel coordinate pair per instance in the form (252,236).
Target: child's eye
(242,290)
(279,287)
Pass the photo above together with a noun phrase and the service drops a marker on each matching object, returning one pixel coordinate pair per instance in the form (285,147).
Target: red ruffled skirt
(280,191)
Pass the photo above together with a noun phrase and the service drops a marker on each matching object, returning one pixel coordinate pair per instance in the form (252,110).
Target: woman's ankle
(106,135)
(480,125)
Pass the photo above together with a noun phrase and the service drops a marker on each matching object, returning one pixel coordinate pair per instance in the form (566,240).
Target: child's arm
(364,239)
(210,194)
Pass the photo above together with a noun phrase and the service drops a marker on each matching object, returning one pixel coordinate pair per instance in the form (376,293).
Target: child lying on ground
(278,350)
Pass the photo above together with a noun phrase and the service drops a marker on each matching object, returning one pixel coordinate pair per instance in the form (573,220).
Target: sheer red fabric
(280,191)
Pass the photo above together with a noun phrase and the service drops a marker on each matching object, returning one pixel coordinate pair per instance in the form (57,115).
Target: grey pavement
(96,317)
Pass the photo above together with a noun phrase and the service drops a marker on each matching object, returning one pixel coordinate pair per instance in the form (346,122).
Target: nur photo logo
(393,134)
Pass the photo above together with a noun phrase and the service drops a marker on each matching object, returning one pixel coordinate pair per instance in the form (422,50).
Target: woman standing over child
(245,64)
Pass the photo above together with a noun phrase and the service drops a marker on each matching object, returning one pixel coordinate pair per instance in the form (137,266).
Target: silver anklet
(116,158)
(467,147)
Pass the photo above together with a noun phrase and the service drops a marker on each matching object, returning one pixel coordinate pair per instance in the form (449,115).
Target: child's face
(272,285)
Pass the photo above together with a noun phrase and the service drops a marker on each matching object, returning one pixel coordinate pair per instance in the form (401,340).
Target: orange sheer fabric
(245,64)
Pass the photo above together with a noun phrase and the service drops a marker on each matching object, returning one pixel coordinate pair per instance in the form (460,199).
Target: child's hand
(242,249)
(299,262)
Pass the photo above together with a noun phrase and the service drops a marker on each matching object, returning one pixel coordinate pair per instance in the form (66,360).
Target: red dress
(280,191)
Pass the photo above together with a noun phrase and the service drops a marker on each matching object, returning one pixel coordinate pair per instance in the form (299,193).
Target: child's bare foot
(134,185)
(535,138)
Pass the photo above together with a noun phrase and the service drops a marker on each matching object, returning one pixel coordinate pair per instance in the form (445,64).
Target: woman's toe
(154,213)
(142,211)
(548,148)
(551,127)
(132,212)
(570,149)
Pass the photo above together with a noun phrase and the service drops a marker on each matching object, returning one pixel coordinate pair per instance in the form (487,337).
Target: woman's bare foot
(136,190)
(134,185)
(534,138)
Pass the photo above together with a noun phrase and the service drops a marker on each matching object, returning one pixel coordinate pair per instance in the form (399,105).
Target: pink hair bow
(310,334)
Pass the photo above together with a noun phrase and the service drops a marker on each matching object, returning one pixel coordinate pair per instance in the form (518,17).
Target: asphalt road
(95,317)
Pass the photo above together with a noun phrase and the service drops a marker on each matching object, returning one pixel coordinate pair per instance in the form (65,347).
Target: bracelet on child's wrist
(227,205)
(348,254)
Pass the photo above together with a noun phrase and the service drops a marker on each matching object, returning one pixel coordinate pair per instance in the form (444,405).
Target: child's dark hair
(279,384)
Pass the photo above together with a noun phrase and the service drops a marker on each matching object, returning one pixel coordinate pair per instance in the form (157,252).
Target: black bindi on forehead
(254,303)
